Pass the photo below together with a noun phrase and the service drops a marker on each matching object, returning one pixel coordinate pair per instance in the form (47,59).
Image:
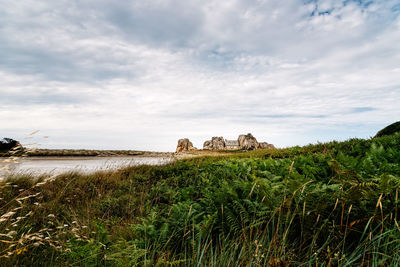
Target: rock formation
(248,142)
(216,143)
(184,145)
(10,145)
(265,145)
(207,145)
(245,142)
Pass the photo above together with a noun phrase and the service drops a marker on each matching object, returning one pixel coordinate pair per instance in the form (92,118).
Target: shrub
(389,130)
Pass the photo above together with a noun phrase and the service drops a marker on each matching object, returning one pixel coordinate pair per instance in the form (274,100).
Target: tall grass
(321,205)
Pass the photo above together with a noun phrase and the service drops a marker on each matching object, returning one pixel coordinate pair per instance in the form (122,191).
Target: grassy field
(326,204)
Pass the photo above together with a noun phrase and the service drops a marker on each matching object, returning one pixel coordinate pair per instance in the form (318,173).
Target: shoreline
(86,153)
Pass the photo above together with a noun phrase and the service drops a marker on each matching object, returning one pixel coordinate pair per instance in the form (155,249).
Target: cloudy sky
(141,74)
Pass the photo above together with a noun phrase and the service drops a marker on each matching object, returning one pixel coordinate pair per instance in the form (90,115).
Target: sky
(124,74)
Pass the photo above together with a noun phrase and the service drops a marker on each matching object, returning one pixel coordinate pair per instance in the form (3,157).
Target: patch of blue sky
(396,8)
(361,109)
(279,116)
(359,2)
(219,60)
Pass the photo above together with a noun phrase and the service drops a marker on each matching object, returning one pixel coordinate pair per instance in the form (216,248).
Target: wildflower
(21,250)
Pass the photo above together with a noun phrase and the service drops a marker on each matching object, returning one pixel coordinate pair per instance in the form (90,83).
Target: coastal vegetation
(389,130)
(326,204)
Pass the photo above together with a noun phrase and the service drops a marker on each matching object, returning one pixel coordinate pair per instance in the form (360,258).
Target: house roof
(231,142)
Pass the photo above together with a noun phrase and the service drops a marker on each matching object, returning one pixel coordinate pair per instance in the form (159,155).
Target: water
(57,165)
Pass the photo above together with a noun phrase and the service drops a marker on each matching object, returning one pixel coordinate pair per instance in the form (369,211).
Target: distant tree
(389,130)
(7,144)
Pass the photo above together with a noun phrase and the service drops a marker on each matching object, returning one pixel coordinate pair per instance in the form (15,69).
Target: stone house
(232,144)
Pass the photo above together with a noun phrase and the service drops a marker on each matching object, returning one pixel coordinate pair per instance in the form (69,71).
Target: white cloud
(144,75)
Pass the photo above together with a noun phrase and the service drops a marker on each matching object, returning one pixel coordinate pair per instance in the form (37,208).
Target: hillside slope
(389,130)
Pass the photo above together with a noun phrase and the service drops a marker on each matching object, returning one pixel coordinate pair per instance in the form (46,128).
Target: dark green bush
(389,130)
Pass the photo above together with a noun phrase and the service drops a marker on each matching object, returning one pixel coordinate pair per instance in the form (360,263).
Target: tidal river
(57,165)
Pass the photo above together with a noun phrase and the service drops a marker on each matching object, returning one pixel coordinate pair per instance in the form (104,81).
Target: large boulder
(265,145)
(10,145)
(216,143)
(184,145)
(247,142)
(207,145)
